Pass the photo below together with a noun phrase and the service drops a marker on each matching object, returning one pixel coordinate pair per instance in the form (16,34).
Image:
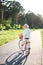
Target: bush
(5,24)
(7,27)
(2,27)
(16,26)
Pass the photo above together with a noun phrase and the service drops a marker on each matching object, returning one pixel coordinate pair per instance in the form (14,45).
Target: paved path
(35,57)
(8,49)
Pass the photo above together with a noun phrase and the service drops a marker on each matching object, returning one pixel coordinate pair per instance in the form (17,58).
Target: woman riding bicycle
(26,37)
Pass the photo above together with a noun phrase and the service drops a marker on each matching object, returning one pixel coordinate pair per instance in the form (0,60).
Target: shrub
(2,27)
(16,26)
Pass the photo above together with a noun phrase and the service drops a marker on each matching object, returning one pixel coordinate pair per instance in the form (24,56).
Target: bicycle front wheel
(21,45)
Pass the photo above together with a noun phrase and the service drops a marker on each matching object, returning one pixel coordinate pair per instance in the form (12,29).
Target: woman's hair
(26,26)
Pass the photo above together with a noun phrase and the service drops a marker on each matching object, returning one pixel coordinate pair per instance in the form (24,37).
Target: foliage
(2,27)
(21,19)
(5,24)
(42,36)
(12,15)
(10,9)
(31,19)
(17,26)
(14,11)
(8,35)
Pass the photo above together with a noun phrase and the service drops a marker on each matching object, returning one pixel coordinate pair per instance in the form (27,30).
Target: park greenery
(13,17)
(12,13)
(42,36)
(9,35)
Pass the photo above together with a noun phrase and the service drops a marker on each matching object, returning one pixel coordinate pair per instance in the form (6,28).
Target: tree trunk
(32,22)
(2,14)
(17,15)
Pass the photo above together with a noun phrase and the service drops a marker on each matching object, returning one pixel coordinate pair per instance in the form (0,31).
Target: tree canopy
(11,12)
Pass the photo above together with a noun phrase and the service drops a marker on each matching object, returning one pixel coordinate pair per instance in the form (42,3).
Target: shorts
(26,43)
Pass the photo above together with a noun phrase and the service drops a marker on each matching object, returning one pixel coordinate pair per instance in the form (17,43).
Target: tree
(15,9)
(12,8)
(21,19)
(3,8)
(34,20)
(30,18)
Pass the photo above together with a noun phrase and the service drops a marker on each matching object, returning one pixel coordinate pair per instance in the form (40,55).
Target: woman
(26,38)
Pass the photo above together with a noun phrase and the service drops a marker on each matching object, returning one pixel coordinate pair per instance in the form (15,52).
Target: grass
(9,35)
(42,37)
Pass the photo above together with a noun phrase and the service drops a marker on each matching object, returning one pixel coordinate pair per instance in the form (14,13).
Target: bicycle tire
(20,45)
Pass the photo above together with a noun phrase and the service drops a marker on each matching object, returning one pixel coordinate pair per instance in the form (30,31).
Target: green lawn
(42,36)
(9,35)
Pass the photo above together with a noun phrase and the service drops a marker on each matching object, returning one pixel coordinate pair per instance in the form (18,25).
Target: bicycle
(17,58)
(23,48)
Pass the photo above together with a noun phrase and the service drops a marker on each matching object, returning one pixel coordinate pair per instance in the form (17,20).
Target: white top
(26,33)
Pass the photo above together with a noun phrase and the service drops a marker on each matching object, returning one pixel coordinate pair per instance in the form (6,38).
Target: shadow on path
(17,58)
